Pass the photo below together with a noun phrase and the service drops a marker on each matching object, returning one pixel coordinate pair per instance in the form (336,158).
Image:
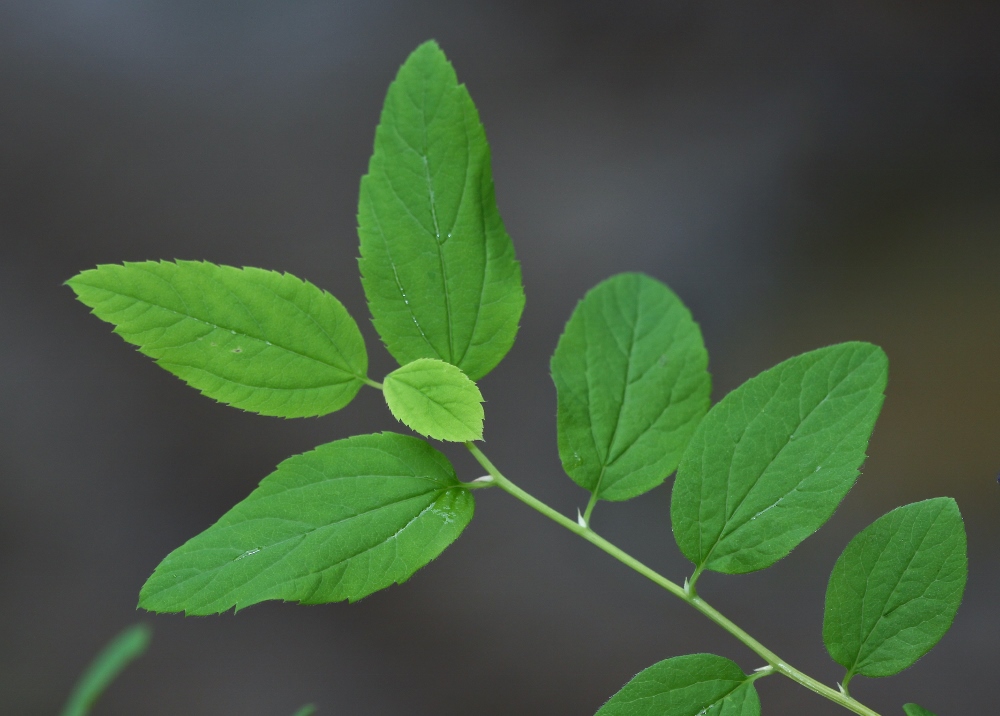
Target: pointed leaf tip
(437,265)
(258,340)
(771,461)
(337,523)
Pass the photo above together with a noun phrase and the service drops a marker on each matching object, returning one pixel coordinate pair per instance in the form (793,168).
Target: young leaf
(258,340)
(914,710)
(895,590)
(632,381)
(438,268)
(339,522)
(772,460)
(125,648)
(436,399)
(692,685)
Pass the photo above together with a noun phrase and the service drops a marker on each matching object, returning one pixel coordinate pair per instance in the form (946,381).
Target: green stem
(678,591)
(368,381)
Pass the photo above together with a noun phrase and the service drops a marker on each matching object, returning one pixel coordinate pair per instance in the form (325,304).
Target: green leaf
(125,648)
(772,460)
(632,381)
(339,522)
(895,590)
(258,340)
(914,710)
(437,265)
(436,399)
(692,685)
(307,710)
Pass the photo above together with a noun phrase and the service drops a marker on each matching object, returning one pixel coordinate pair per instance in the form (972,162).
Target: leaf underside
(336,523)
(896,588)
(771,461)
(436,399)
(632,382)
(259,340)
(692,685)
(437,265)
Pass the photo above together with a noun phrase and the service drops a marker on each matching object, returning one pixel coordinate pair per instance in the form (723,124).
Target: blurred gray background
(800,173)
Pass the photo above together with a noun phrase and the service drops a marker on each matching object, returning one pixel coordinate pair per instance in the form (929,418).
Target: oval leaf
(258,340)
(339,522)
(692,685)
(914,710)
(896,588)
(436,399)
(772,460)
(632,381)
(438,268)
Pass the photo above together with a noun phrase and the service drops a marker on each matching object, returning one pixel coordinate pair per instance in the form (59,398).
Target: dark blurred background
(800,173)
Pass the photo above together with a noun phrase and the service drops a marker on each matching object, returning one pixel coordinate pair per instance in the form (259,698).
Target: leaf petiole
(776,663)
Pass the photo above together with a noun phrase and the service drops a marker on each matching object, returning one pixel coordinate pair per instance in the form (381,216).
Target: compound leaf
(692,685)
(436,399)
(771,461)
(914,710)
(896,588)
(339,522)
(258,340)
(437,265)
(125,648)
(632,382)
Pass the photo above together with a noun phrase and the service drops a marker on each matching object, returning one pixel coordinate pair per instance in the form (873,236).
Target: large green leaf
(258,340)
(437,266)
(895,590)
(435,399)
(125,648)
(915,710)
(339,522)
(692,685)
(772,460)
(632,381)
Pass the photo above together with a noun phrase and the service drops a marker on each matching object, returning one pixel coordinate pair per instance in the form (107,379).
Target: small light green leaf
(914,710)
(772,460)
(125,648)
(307,710)
(896,588)
(438,268)
(436,399)
(692,685)
(339,522)
(258,340)
(632,380)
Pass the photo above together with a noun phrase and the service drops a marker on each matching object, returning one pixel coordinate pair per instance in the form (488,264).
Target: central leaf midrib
(425,156)
(427,398)
(724,532)
(214,571)
(892,592)
(221,327)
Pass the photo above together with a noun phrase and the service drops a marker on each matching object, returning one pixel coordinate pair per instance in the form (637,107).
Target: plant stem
(368,381)
(687,595)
